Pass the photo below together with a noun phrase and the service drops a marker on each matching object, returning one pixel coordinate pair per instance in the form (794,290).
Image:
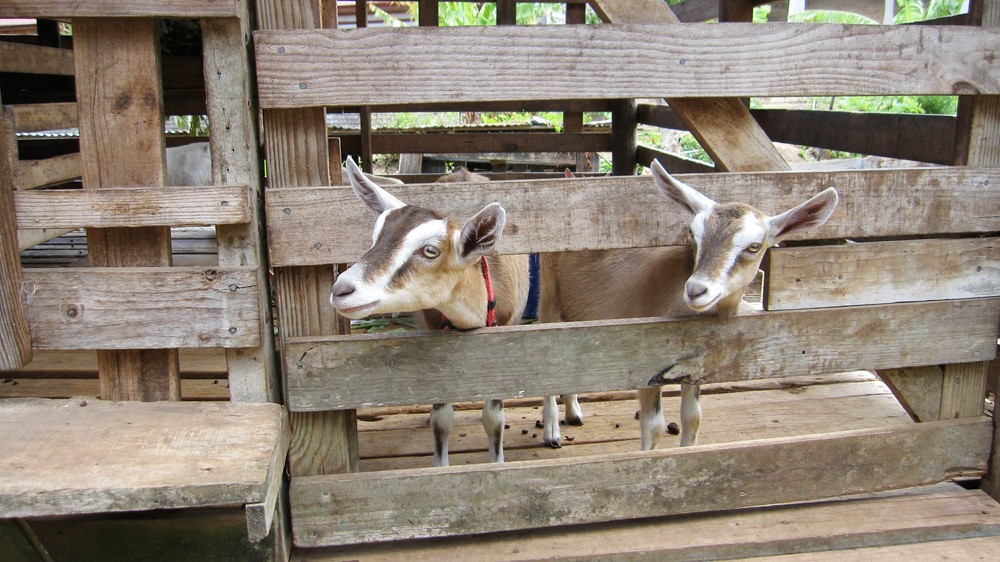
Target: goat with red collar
(443,270)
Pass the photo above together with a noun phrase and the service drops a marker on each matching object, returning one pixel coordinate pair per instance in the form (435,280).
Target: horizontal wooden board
(143,307)
(828,530)
(120,8)
(64,457)
(34,59)
(550,359)
(29,174)
(318,225)
(130,207)
(43,116)
(423,143)
(881,272)
(308,68)
(434,502)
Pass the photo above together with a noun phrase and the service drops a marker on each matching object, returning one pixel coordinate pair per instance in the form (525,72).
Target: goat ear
(805,216)
(679,191)
(368,191)
(569,174)
(481,233)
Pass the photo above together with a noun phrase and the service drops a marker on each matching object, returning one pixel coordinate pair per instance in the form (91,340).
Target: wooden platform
(944,521)
(85,456)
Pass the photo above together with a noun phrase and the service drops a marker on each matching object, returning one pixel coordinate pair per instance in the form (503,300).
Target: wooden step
(86,456)
(942,518)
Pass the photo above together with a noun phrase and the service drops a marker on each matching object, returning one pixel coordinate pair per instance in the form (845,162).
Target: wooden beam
(359,371)
(881,272)
(421,503)
(254,375)
(29,174)
(119,8)
(32,59)
(306,68)
(674,163)
(623,137)
(134,207)
(44,116)
(610,213)
(121,140)
(296,144)
(15,334)
(429,142)
(143,308)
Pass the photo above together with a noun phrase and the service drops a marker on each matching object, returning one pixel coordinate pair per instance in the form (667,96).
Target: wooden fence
(830,307)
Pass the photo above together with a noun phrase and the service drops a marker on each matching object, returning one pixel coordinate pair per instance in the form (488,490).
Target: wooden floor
(943,522)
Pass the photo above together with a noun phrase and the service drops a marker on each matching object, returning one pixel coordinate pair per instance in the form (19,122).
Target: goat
(728,242)
(423,262)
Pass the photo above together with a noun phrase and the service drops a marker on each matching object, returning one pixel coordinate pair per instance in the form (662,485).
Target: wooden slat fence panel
(430,367)
(309,226)
(120,8)
(143,307)
(135,206)
(305,68)
(418,503)
(881,272)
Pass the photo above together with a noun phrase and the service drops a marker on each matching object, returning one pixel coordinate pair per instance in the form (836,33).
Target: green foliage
(194,125)
(691,148)
(936,105)
(760,13)
(830,16)
(913,10)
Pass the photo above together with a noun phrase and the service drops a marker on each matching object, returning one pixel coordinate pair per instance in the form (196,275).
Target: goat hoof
(553,443)
(577,421)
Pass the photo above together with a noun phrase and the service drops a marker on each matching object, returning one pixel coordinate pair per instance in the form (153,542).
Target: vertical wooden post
(624,123)
(15,335)
(232,115)
(296,146)
(573,120)
(360,13)
(121,142)
(980,118)
(506,12)
(735,10)
(427,15)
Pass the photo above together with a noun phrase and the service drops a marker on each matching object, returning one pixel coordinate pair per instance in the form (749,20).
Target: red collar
(491,300)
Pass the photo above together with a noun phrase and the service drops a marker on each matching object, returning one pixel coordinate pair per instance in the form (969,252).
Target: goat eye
(754,248)
(431,252)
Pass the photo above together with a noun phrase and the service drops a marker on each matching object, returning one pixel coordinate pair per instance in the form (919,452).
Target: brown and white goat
(423,262)
(728,242)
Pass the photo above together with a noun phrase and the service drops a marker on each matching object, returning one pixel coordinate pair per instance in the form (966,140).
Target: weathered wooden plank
(30,174)
(798,532)
(138,456)
(297,145)
(322,67)
(674,163)
(15,334)
(143,308)
(122,145)
(425,368)
(314,226)
(408,504)
(924,138)
(135,206)
(232,112)
(491,142)
(33,59)
(881,272)
(44,116)
(120,8)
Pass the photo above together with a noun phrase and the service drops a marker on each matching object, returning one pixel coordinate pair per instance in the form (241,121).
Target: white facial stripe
(698,226)
(751,231)
(420,236)
(379,223)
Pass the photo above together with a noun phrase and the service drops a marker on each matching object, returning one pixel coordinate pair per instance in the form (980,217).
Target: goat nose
(695,289)
(342,288)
